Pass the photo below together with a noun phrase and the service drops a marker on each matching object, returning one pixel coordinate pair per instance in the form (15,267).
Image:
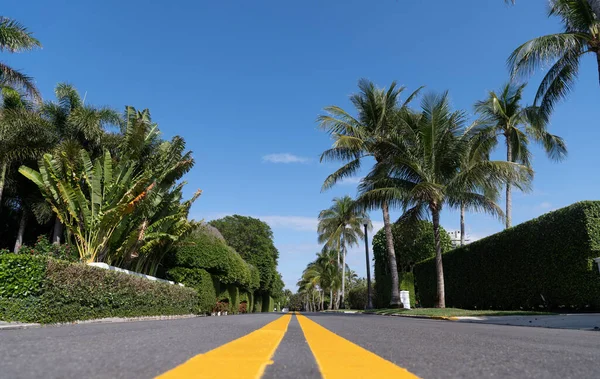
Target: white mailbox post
(405,299)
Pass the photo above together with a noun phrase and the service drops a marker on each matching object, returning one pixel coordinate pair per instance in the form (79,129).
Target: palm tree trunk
(508,185)
(462,224)
(330,299)
(439,267)
(395,301)
(58,231)
(2,179)
(21,231)
(343,276)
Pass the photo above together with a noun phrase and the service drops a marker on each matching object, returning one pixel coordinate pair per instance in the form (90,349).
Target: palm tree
(422,172)
(15,38)
(518,125)
(356,139)
(24,136)
(322,274)
(580,36)
(77,125)
(340,227)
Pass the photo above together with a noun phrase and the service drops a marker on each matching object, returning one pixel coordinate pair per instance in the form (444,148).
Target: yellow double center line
(248,356)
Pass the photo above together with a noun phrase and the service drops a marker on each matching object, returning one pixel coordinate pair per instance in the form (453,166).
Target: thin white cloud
(299,223)
(284,158)
(545,205)
(350,181)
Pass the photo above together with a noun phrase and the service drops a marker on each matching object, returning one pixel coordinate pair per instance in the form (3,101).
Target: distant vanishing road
(290,346)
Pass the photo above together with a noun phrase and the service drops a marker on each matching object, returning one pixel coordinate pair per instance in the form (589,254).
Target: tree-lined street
(429,348)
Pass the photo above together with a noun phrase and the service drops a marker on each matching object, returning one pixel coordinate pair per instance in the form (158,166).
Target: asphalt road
(426,348)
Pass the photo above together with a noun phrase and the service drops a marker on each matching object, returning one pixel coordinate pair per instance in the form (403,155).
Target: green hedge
(205,285)
(543,263)
(57,291)
(205,251)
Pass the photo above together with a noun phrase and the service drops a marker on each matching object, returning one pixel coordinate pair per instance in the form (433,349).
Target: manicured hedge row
(41,289)
(205,285)
(205,251)
(543,263)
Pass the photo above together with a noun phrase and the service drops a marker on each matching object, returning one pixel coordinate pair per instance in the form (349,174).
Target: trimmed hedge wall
(41,289)
(205,285)
(543,263)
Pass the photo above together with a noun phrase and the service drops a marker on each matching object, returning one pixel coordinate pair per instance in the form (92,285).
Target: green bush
(59,291)
(44,247)
(205,251)
(357,298)
(542,263)
(21,275)
(413,242)
(205,285)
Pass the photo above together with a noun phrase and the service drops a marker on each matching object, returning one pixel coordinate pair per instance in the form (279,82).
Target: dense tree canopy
(253,240)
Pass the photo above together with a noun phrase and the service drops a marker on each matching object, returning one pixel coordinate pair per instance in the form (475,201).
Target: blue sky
(243,82)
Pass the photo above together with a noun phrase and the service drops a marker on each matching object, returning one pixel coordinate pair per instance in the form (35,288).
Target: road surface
(289,346)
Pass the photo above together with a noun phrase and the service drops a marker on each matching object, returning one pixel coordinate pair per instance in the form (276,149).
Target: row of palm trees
(430,158)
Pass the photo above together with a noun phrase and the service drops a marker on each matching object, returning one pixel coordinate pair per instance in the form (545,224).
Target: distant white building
(455,238)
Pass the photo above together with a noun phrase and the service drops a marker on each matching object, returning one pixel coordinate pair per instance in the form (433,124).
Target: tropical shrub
(42,289)
(543,263)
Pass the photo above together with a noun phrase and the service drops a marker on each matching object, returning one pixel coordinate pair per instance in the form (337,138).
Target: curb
(444,318)
(111,320)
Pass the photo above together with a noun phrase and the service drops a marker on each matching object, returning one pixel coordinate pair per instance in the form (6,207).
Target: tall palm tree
(77,125)
(355,138)
(422,171)
(324,274)
(580,36)
(518,125)
(479,141)
(15,38)
(24,136)
(340,227)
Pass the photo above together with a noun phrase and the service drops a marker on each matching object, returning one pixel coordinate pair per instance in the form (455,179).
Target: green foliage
(159,221)
(205,285)
(296,302)
(60,291)
(21,276)
(413,242)
(90,201)
(267,303)
(542,263)
(43,247)
(258,301)
(357,297)
(15,37)
(253,240)
(205,251)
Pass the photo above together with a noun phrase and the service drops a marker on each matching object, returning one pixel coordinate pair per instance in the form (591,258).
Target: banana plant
(92,200)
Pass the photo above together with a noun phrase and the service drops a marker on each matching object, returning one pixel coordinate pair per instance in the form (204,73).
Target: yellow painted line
(246,357)
(340,358)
